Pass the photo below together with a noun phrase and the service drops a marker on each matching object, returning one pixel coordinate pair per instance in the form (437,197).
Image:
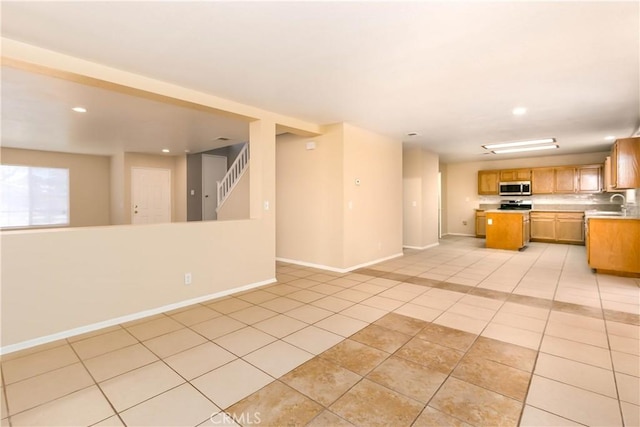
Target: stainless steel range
(516,205)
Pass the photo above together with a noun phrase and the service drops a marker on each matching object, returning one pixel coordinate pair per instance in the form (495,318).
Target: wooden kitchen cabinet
(542,180)
(565,180)
(625,164)
(557,227)
(515,175)
(481,223)
(488,182)
(589,179)
(613,245)
(507,230)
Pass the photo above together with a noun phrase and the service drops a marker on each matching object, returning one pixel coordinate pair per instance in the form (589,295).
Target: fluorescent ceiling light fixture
(610,138)
(165,150)
(519,111)
(520,143)
(517,150)
(79,109)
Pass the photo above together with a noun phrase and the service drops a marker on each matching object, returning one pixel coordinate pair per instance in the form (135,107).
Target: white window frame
(30,225)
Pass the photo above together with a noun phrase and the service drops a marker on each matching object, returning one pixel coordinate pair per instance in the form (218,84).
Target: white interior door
(213,170)
(150,195)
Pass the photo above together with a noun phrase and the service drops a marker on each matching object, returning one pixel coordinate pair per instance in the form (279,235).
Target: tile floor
(453,335)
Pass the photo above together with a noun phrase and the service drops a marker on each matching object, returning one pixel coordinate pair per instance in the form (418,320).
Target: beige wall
(89,181)
(117,189)
(178,168)
(420,197)
(237,204)
(462,184)
(373,209)
(324,218)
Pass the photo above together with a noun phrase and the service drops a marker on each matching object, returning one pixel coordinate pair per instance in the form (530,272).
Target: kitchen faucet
(623,208)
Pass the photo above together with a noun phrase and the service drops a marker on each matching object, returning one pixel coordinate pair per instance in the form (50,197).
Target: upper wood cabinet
(589,179)
(542,181)
(565,180)
(488,182)
(625,164)
(515,175)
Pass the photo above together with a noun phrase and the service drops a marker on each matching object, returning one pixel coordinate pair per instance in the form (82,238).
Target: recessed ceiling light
(517,150)
(79,109)
(187,151)
(610,138)
(520,143)
(165,150)
(518,111)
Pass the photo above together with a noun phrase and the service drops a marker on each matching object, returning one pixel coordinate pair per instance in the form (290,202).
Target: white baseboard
(338,270)
(420,248)
(460,234)
(128,318)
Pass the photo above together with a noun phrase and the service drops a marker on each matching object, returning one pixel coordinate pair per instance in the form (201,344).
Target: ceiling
(450,71)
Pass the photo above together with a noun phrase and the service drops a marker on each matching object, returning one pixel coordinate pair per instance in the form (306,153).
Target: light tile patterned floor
(453,335)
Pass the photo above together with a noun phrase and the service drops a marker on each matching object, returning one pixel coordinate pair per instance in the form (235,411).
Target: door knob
(206,195)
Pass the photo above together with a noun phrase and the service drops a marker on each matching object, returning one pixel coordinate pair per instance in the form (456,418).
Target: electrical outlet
(187,278)
(464,222)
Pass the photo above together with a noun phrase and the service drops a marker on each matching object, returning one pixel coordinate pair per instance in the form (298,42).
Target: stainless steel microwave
(515,188)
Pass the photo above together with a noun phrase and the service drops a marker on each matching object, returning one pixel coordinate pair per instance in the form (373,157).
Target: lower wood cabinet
(507,230)
(481,223)
(560,227)
(613,245)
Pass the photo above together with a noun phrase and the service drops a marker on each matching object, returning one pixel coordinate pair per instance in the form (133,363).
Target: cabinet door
(570,228)
(542,181)
(481,224)
(488,182)
(543,226)
(515,175)
(565,180)
(589,179)
(523,175)
(606,175)
(627,152)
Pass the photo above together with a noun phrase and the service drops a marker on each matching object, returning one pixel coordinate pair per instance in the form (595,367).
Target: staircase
(233,175)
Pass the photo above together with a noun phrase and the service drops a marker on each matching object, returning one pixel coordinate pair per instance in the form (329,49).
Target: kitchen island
(507,229)
(613,244)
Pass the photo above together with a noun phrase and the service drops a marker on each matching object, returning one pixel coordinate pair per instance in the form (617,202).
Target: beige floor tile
(525,310)
(314,340)
(418,312)
(118,362)
(155,328)
(408,378)
(494,376)
(321,380)
(370,288)
(43,388)
(508,354)
(447,337)
(252,315)
(222,419)
(573,403)
(229,305)
(32,350)
(623,330)
(464,323)
(482,302)
(583,322)
(476,405)
(217,327)
(278,358)
(355,356)
(282,289)
(281,304)
(94,333)
(400,295)
(626,363)
(280,326)
(406,325)
(199,360)
(174,342)
(370,404)
(628,388)
(275,405)
(332,303)
(534,417)
(365,313)
(326,289)
(143,320)
(383,303)
(244,341)
(104,343)
(624,344)
(381,338)
(84,407)
(630,413)
(129,389)
(520,322)
(575,333)
(431,417)
(306,296)
(112,421)
(513,335)
(4,412)
(309,314)
(38,363)
(232,382)
(352,295)
(574,350)
(181,406)
(434,356)
(327,418)
(472,311)
(256,296)
(195,315)
(341,325)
